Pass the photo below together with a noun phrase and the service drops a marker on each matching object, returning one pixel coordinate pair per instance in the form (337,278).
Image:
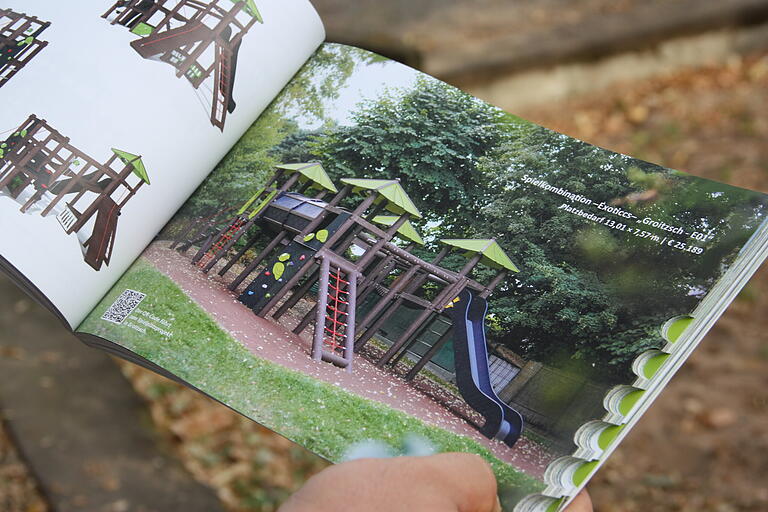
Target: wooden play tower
(200,39)
(217,234)
(19,41)
(344,252)
(356,249)
(40,168)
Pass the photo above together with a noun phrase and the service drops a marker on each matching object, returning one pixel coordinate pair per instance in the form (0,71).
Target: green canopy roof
(406,231)
(250,8)
(134,160)
(493,255)
(312,171)
(397,200)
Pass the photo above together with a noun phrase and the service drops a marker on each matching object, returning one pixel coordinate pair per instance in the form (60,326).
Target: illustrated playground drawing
(338,245)
(200,39)
(47,175)
(19,41)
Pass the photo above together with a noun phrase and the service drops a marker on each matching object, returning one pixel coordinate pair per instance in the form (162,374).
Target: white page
(90,85)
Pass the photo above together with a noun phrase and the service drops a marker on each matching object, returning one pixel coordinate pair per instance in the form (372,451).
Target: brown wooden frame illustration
(19,41)
(186,33)
(38,158)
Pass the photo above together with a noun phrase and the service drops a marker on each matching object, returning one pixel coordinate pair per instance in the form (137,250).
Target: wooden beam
(433,350)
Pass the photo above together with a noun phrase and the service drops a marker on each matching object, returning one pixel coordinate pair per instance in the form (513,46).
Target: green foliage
(586,292)
(589,298)
(431,137)
(251,161)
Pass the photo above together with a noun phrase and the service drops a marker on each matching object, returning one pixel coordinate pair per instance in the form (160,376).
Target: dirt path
(279,345)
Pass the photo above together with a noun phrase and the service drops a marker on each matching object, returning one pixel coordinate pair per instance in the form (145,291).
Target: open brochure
(354,254)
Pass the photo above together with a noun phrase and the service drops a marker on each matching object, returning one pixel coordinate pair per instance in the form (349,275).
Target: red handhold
(267,273)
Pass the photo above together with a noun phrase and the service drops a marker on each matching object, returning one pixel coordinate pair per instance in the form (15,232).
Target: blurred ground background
(682,83)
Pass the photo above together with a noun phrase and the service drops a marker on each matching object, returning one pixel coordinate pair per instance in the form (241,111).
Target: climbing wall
(288,263)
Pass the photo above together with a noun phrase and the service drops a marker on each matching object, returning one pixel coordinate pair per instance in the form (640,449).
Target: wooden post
(249,222)
(319,219)
(237,256)
(322,305)
(296,296)
(185,230)
(32,147)
(241,230)
(349,346)
(305,321)
(419,322)
(195,233)
(404,283)
(272,179)
(391,232)
(401,283)
(436,306)
(73,181)
(351,221)
(493,284)
(292,179)
(433,350)
(378,275)
(377,209)
(88,213)
(191,59)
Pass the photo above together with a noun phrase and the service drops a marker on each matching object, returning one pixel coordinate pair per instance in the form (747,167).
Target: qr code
(125,304)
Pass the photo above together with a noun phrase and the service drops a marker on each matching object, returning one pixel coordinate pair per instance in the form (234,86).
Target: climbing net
(222,242)
(336,313)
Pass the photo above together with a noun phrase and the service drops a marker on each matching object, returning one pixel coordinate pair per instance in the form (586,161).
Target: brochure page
(385,264)
(113,115)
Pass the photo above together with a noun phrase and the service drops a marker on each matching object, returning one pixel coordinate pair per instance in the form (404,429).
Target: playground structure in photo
(344,251)
(19,41)
(39,168)
(200,39)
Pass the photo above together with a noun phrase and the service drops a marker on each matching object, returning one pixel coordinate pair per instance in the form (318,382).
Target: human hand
(581,503)
(449,482)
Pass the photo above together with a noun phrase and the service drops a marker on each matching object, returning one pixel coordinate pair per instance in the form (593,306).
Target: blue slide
(472,372)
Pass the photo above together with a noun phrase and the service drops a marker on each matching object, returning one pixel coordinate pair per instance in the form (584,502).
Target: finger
(439,483)
(466,479)
(581,503)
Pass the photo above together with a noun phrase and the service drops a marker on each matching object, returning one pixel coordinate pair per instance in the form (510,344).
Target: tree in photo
(431,137)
